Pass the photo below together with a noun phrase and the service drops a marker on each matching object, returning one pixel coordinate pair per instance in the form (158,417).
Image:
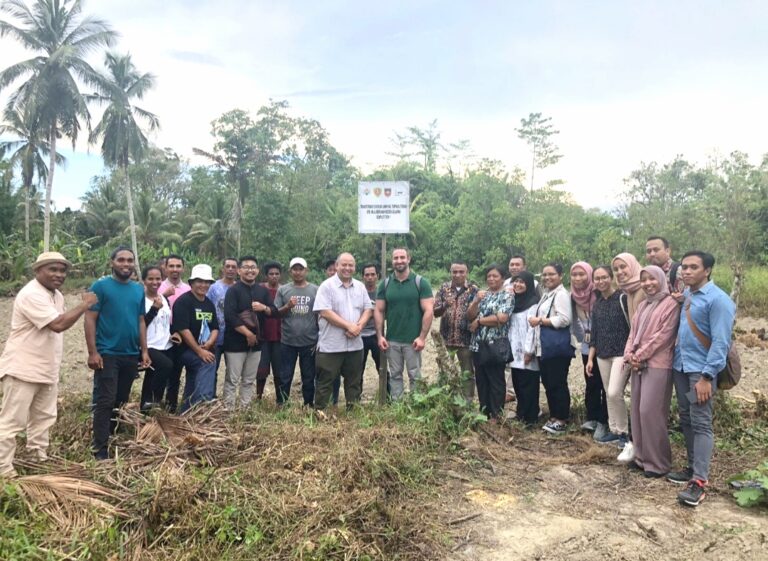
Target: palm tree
(61,38)
(209,229)
(122,140)
(28,152)
(153,223)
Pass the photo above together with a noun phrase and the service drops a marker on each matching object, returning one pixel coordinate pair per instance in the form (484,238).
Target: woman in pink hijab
(649,353)
(626,269)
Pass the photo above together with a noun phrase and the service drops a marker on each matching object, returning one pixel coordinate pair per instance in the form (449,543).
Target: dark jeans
(174,380)
(111,389)
(306,358)
(270,357)
(526,384)
(156,377)
(200,379)
(491,386)
(595,400)
(554,377)
(370,344)
(329,367)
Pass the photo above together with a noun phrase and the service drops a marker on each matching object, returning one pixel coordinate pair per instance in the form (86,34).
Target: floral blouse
(501,302)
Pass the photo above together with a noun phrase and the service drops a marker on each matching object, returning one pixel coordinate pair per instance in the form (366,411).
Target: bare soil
(513,494)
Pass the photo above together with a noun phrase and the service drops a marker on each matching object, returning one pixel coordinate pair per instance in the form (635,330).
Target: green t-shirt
(120,305)
(403,315)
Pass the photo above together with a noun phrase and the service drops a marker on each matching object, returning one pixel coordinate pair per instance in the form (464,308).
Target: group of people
(662,325)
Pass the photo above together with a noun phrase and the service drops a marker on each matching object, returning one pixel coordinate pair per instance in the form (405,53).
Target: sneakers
(554,427)
(680,477)
(627,454)
(609,438)
(693,494)
(622,441)
(600,431)
(589,426)
(632,466)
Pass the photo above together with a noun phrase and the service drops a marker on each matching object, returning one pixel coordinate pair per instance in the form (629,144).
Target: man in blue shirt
(703,342)
(116,336)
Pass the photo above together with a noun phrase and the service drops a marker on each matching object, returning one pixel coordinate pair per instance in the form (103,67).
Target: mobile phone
(692,396)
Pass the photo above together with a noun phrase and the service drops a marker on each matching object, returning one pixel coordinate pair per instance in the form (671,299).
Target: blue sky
(624,82)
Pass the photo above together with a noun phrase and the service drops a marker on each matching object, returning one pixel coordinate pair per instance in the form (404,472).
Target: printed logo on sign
(387,191)
(366,191)
(377,191)
(201,315)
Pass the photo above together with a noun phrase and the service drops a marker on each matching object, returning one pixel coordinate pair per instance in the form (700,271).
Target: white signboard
(384,207)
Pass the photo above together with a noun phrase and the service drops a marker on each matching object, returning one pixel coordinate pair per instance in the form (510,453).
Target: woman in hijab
(583,299)
(649,353)
(525,367)
(626,269)
(610,329)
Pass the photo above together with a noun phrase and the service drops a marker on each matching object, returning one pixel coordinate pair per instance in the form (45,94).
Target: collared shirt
(348,302)
(181,288)
(216,294)
(713,312)
(453,324)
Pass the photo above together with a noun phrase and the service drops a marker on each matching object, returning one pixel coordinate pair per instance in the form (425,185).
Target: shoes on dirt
(554,427)
(632,466)
(627,454)
(609,438)
(680,477)
(653,474)
(693,494)
(622,442)
(589,426)
(600,431)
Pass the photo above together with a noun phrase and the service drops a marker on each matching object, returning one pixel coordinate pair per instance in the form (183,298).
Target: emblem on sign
(387,191)
(377,191)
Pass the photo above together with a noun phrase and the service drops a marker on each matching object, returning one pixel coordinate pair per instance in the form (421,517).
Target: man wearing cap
(344,307)
(29,366)
(116,336)
(194,319)
(294,303)
(246,305)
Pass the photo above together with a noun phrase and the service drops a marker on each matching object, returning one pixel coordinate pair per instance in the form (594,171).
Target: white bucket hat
(201,272)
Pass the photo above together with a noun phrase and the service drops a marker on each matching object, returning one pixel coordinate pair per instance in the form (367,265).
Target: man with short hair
(270,335)
(344,307)
(658,252)
(404,301)
(451,303)
(330,268)
(172,288)
(371,278)
(294,303)
(703,342)
(194,319)
(29,366)
(116,336)
(247,305)
(216,295)
(518,264)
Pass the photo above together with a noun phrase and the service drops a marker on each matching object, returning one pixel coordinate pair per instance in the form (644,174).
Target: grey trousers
(696,422)
(402,356)
(651,396)
(464,355)
(241,372)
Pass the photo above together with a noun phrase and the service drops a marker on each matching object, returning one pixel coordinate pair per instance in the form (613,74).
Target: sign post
(383,208)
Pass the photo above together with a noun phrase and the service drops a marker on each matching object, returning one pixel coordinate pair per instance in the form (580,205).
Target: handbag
(498,351)
(250,320)
(729,376)
(555,343)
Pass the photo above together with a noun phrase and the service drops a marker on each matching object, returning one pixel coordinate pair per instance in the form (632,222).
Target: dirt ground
(521,495)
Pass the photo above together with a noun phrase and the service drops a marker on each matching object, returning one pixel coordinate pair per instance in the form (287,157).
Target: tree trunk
(738,281)
(27,190)
(48,190)
(132,221)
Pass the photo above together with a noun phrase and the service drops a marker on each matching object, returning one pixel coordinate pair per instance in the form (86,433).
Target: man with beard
(658,252)
(246,306)
(216,295)
(172,288)
(404,301)
(116,336)
(29,367)
(294,303)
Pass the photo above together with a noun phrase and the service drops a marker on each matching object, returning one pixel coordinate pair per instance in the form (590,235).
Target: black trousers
(156,377)
(491,386)
(111,389)
(595,401)
(554,377)
(526,384)
(270,358)
(174,379)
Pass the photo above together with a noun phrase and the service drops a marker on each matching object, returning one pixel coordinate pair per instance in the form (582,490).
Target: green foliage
(755,491)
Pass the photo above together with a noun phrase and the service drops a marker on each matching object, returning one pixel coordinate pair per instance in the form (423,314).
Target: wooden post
(383,357)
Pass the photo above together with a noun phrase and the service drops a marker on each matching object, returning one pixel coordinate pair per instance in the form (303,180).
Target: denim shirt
(713,312)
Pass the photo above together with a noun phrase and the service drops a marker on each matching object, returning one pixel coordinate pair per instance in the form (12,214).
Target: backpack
(729,376)
(417,280)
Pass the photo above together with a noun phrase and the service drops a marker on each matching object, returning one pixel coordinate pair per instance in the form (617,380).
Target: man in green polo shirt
(404,300)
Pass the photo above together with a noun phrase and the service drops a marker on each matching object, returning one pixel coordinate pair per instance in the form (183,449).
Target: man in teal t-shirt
(404,300)
(116,336)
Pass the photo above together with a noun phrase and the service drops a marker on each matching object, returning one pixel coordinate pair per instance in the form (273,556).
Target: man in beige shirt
(29,366)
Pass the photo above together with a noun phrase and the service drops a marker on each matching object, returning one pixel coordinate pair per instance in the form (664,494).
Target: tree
(537,131)
(122,140)
(62,38)
(28,153)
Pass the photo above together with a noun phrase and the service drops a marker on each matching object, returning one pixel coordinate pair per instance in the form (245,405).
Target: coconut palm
(122,140)
(209,232)
(153,223)
(28,152)
(61,38)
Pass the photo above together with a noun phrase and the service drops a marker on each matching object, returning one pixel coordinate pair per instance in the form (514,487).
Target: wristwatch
(707,377)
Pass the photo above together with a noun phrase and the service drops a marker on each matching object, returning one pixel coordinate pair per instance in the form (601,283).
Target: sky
(624,82)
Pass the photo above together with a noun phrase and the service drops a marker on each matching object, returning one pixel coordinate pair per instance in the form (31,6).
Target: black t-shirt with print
(190,313)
